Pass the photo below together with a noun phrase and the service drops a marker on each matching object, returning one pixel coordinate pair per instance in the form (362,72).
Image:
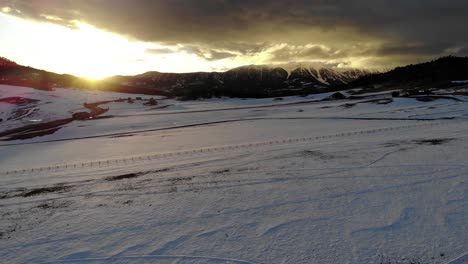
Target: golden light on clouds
(87,51)
(105,37)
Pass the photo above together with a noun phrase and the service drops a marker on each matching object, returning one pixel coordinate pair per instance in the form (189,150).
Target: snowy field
(297,180)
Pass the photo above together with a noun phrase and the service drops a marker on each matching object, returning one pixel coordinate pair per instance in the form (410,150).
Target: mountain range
(246,81)
(255,81)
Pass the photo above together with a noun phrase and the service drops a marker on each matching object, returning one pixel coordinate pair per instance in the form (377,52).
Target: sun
(81,50)
(92,53)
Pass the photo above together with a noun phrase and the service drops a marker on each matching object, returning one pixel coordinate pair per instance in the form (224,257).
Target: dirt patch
(427,142)
(221,171)
(128,202)
(374,101)
(433,141)
(17,100)
(11,194)
(180,180)
(122,136)
(348,105)
(310,154)
(440,258)
(173,189)
(125,176)
(316,154)
(247,169)
(159,107)
(32,131)
(392,144)
(432,98)
(95,110)
(54,205)
(5,233)
(133,175)
(44,190)
(22,192)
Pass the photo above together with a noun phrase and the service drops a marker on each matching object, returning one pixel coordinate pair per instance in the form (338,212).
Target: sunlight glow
(86,51)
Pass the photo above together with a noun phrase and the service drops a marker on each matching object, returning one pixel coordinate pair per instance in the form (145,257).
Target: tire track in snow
(155,257)
(462,259)
(384,156)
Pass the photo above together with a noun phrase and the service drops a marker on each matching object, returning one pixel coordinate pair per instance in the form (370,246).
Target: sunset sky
(99,38)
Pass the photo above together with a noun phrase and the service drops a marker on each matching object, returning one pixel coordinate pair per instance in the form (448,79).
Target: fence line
(148,157)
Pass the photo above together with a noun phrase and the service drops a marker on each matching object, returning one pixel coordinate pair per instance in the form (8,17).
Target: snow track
(462,259)
(152,257)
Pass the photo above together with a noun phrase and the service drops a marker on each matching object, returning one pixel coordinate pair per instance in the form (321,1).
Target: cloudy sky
(98,38)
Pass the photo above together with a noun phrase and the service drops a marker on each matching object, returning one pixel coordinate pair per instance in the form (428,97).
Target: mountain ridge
(436,73)
(244,81)
(257,81)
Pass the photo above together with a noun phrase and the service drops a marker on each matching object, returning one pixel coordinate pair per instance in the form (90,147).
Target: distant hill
(437,73)
(6,63)
(18,75)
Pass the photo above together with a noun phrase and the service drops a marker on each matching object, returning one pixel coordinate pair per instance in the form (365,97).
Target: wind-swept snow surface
(243,181)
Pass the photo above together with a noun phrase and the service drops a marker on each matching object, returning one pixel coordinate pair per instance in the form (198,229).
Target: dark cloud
(217,29)
(203,53)
(320,52)
(216,55)
(434,48)
(207,54)
(287,53)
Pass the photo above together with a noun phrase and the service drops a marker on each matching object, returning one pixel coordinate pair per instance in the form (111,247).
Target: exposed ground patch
(133,175)
(125,176)
(431,98)
(375,101)
(17,100)
(433,141)
(24,192)
(54,205)
(311,154)
(122,136)
(427,142)
(45,190)
(317,154)
(180,179)
(221,171)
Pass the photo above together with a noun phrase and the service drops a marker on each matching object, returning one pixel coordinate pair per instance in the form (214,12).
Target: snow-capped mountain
(322,74)
(246,81)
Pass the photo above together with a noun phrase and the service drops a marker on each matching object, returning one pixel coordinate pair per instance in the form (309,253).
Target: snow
(238,181)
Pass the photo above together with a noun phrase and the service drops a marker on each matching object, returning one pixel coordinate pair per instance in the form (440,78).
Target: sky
(100,38)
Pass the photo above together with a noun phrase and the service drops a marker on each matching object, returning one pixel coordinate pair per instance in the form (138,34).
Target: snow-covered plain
(297,180)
